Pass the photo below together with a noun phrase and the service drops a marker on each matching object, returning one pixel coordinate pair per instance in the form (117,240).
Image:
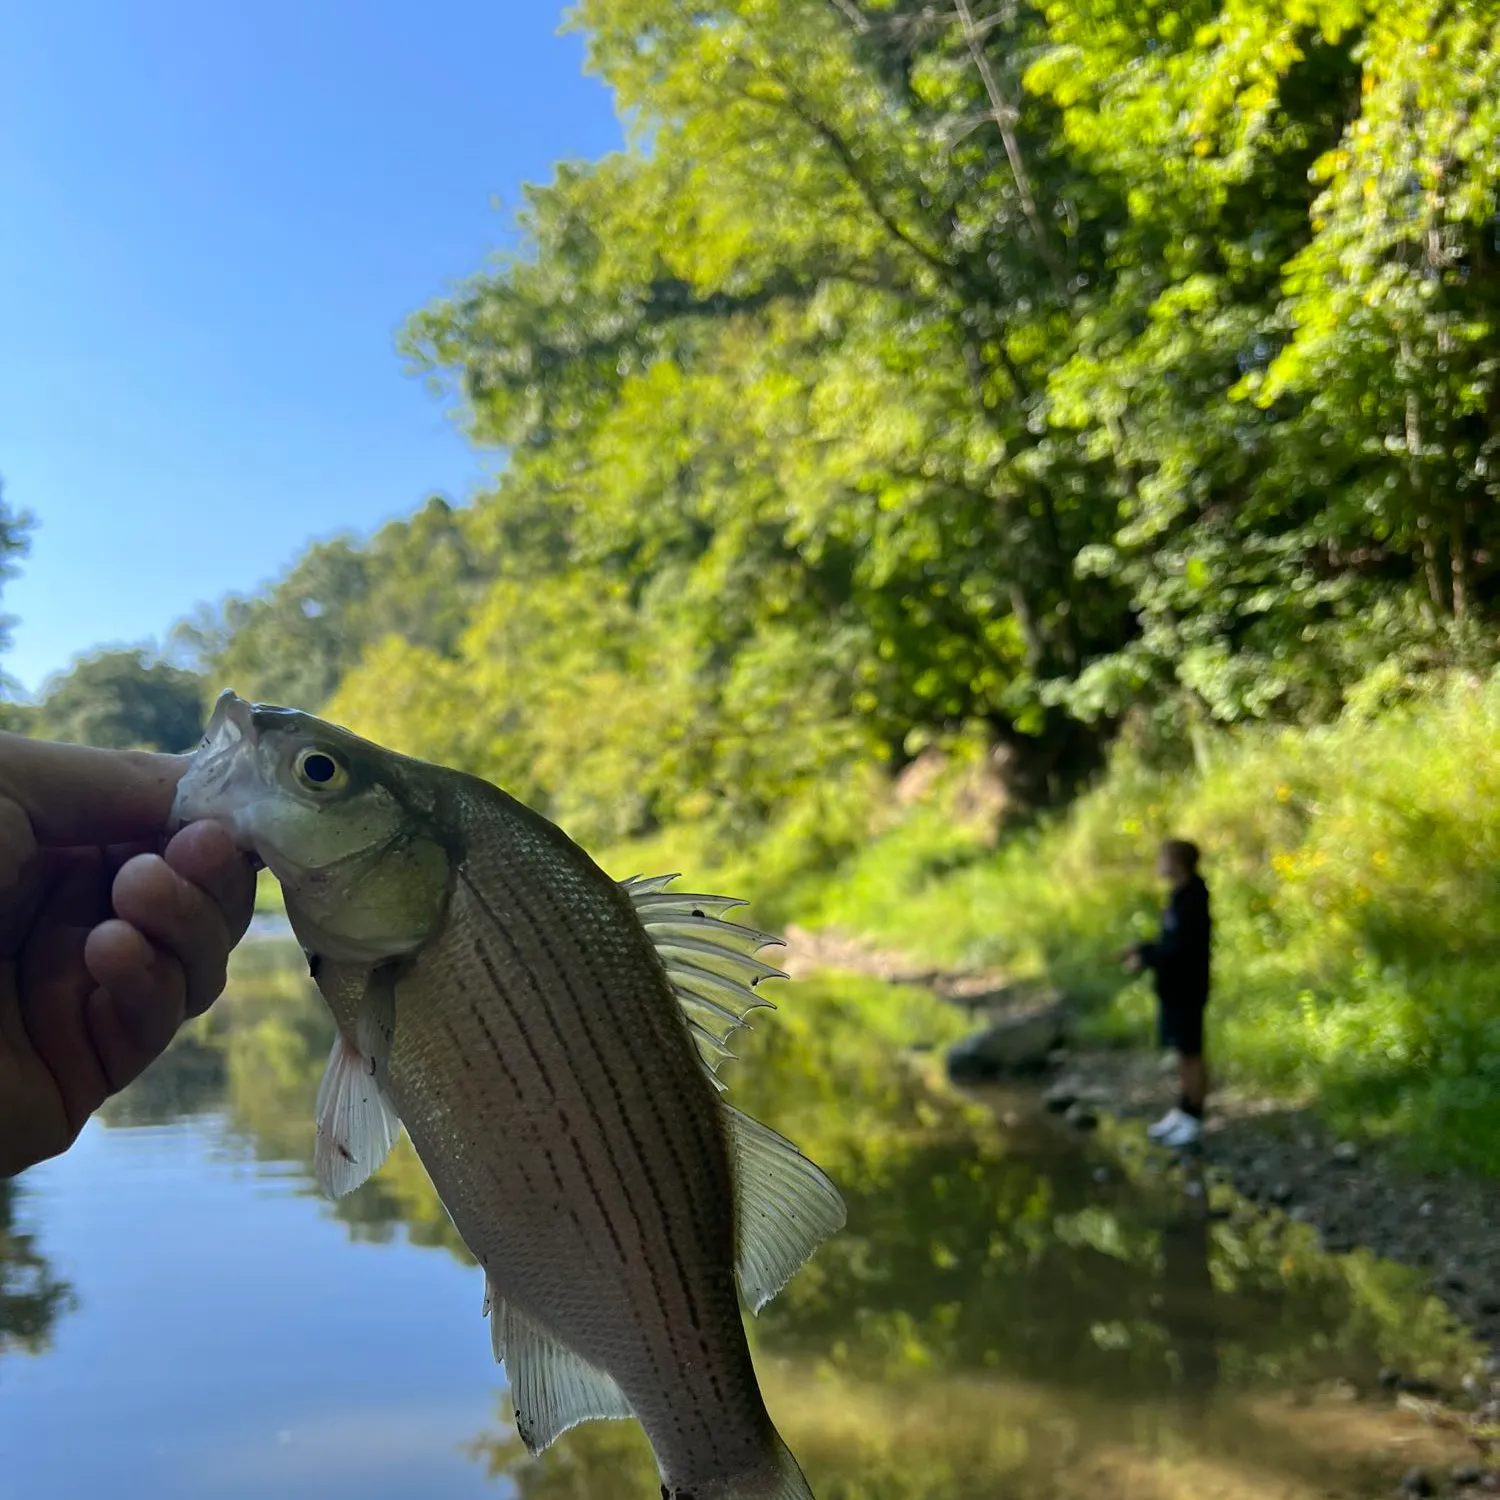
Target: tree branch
(850,163)
(1005,117)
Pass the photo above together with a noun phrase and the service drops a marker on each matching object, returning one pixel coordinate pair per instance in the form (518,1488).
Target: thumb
(73,794)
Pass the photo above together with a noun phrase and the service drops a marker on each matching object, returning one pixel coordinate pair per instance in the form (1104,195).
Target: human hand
(106,945)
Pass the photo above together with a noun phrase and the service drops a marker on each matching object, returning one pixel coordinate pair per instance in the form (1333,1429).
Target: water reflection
(995,1320)
(32,1297)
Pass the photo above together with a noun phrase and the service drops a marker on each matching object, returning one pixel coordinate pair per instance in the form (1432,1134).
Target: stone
(1464,1475)
(1346,1153)
(1018,1042)
(1416,1482)
(1059,1097)
(1081,1117)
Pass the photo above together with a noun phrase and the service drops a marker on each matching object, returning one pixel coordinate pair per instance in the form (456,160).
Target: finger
(76,795)
(205,854)
(139,1004)
(180,920)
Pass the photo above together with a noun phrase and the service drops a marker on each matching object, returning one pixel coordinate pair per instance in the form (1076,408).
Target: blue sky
(215,218)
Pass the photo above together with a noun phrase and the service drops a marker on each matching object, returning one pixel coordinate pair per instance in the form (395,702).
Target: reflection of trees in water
(187,1079)
(972,1255)
(31,1297)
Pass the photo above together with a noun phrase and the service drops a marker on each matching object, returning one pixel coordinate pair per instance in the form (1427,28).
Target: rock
(1281,1192)
(1489,1306)
(1299,1213)
(1081,1117)
(1103,1175)
(1016,1043)
(1390,1379)
(1466,1474)
(1059,1097)
(1416,1482)
(1427,1208)
(1346,1153)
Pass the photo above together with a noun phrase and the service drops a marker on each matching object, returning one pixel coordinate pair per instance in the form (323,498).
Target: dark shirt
(1178,959)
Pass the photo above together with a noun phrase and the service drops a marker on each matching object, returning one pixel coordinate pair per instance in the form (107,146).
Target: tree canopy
(942,373)
(123,700)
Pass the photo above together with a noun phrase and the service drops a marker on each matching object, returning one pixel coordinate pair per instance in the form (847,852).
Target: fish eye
(319,770)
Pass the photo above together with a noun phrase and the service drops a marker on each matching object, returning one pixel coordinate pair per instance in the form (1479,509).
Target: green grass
(268,899)
(1355,872)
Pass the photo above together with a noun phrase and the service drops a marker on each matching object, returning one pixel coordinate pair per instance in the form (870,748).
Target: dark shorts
(1179,1025)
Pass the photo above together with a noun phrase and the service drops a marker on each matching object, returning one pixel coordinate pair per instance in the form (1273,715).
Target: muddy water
(1014,1310)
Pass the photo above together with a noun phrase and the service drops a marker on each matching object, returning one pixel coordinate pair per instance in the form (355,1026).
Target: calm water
(1011,1312)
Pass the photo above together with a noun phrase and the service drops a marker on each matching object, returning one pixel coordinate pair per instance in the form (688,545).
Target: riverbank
(1274,1150)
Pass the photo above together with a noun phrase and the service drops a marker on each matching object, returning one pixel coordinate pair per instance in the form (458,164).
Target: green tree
(15,541)
(964,373)
(121,700)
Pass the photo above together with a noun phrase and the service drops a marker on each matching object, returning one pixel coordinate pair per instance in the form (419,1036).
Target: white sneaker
(1183,1133)
(1166,1125)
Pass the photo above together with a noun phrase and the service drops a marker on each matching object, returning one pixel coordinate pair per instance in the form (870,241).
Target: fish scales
(577,1153)
(525,1018)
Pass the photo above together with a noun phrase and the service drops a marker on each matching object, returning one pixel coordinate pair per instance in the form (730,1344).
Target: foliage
(929,372)
(1357,911)
(123,700)
(1008,380)
(15,542)
(293,643)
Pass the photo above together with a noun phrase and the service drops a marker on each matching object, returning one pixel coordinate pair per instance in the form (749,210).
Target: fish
(549,1038)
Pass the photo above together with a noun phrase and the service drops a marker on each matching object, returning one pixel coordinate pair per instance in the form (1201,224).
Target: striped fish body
(540,1063)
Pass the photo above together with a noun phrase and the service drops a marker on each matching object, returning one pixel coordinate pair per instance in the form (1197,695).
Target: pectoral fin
(357,1124)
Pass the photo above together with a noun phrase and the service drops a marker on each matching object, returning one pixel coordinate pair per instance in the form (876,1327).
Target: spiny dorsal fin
(710,962)
(551,1388)
(786,1207)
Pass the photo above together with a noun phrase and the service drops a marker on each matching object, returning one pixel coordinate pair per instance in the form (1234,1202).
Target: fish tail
(779,1479)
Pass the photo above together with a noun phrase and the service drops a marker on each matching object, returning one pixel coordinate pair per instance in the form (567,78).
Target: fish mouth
(223,769)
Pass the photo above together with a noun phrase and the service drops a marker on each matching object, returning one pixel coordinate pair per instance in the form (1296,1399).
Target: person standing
(1179,961)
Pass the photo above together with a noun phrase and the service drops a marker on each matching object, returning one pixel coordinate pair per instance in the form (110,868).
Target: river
(1013,1311)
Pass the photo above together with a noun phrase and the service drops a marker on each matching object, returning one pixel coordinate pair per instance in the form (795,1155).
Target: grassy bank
(1356,890)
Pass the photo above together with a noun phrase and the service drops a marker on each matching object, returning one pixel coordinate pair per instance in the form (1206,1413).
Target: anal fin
(551,1388)
(357,1124)
(786,1207)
